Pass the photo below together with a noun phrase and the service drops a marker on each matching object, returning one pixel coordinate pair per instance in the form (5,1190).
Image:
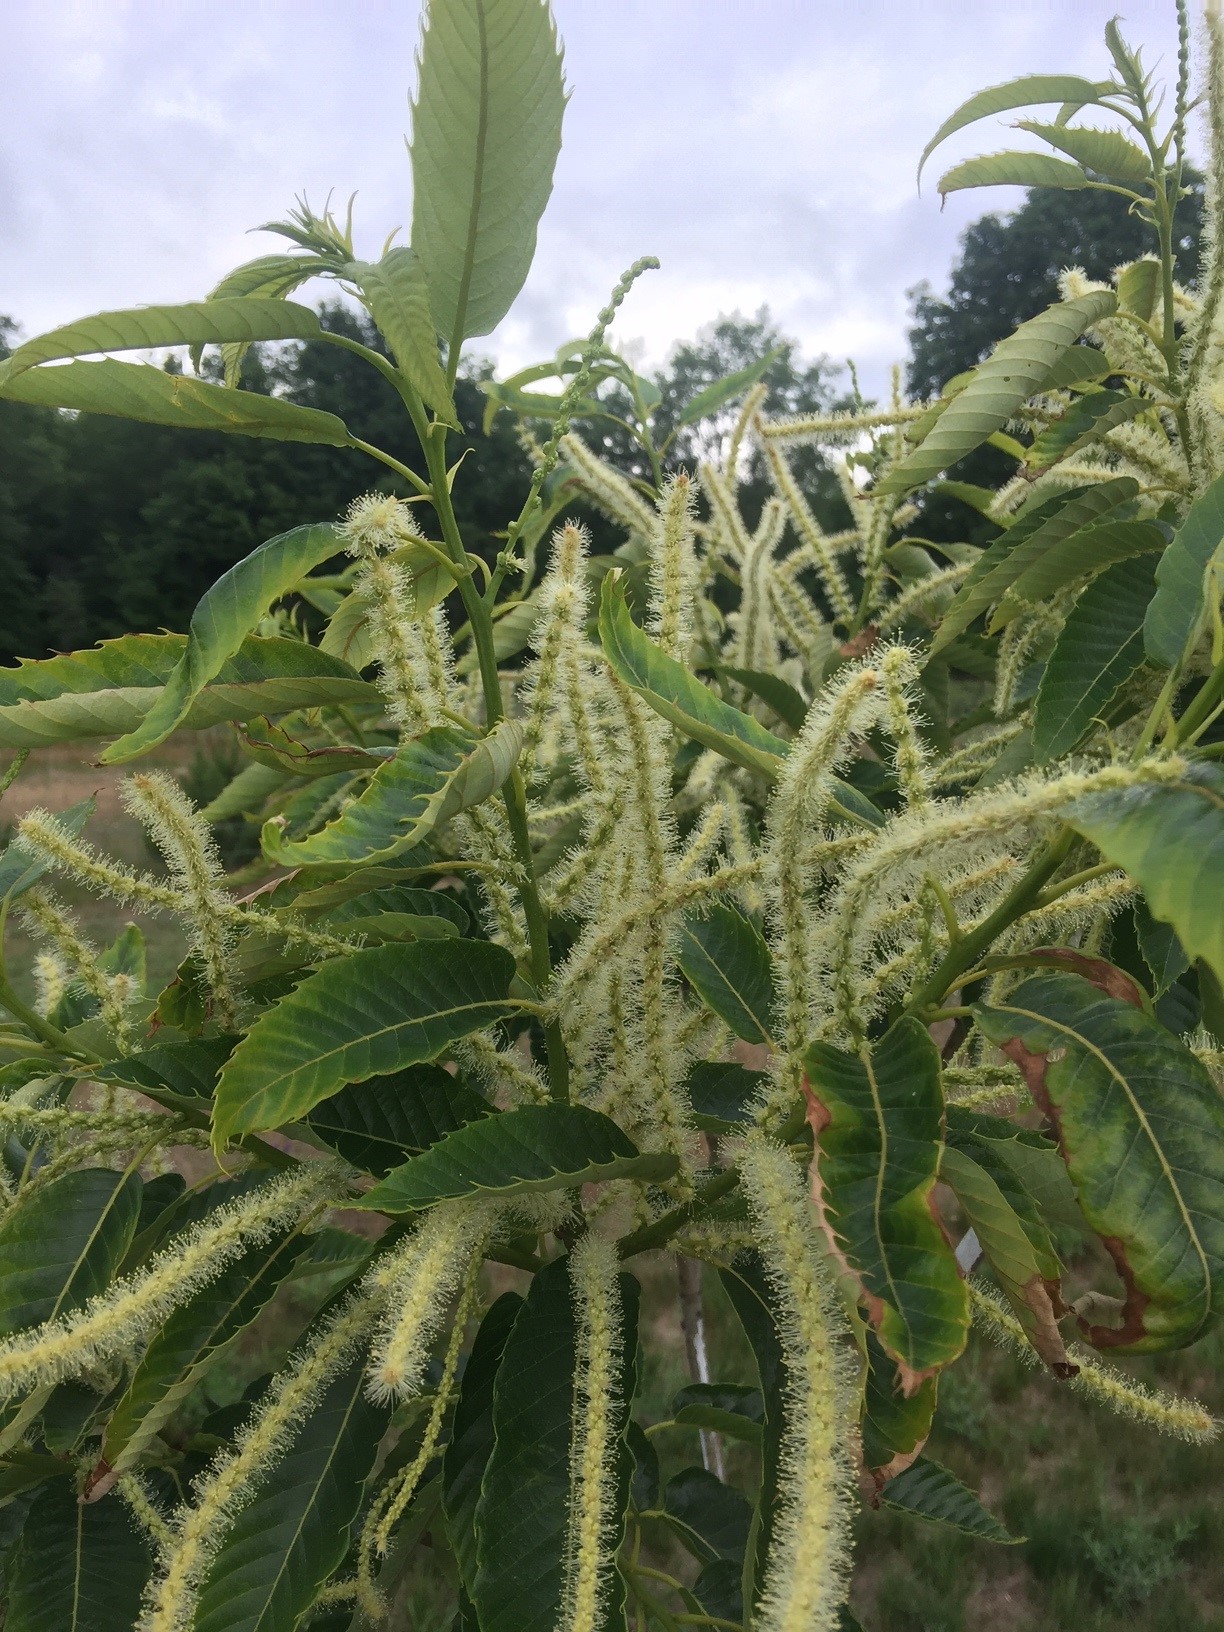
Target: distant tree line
(107,526)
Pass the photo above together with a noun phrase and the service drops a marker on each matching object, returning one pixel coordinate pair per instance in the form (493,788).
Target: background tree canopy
(107,525)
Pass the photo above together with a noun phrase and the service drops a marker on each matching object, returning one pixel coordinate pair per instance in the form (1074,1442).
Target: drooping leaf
(1098,649)
(1028,91)
(142,392)
(397,294)
(1178,602)
(1087,419)
(432,778)
(111,688)
(537,1147)
(724,958)
(378,1125)
(672,691)
(77,1568)
(272,746)
(1028,541)
(221,622)
(710,1519)
(1106,152)
(486,130)
(524,1495)
(878,1122)
(188,1070)
(1169,836)
(721,1094)
(195,1337)
(471,1442)
(367,1015)
(1141,1127)
(1015,369)
(294,1532)
(64,1244)
(927,1489)
(1012,169)
(894,1426)
(196,324)
(1009,1252)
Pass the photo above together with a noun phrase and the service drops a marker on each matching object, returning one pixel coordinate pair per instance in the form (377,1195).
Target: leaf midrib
(473,232)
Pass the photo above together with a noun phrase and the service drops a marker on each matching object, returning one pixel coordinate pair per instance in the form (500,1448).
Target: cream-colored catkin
(46,837)
(417,1283)
(615,496)
(1168,1413)
(898,667)
(592,1527)
(562,600)
(507,1073)
(377,525)
(850,706)
(806,1575)
(191,854)
(51,921)
(200,1529)
(117,1320)
(1203,364)
(51,977)
(673,571)
(811,533)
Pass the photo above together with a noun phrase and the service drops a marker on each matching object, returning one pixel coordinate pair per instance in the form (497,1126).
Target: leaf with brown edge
(1105,976)
(877,1118)
(1140,1125)
(894,1427)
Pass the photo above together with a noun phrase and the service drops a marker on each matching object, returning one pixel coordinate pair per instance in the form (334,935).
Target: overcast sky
(764,150)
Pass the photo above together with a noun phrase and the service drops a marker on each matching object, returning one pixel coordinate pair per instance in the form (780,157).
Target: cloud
(765,151)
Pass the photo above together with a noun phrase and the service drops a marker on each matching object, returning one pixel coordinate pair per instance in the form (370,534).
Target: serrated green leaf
(1017,368)
(222,621)
(930,1491)
(724,958)
(670,689)
(1141,1127)
(1178,603)
(1009,1252)
(381,1009)
(270,277)
(1086,420)
(1161,950)
(188,1070)
(77,1568)
(195,1337)
(294,1532)
(111,688)
(1084,554)
(720,392)
(1169,836)
(1107,152)
(63,1244)
(378,1125)
(721,1094)
(397,913)
(397,293)
(1028,91)
(471,1442)
(878,1119)
(1029,540)
(1012,169)
(431,779)
(537,1147)
(272,746)
(142,392)
(486,130)
(525,1493)
(1098,649)
(195,324)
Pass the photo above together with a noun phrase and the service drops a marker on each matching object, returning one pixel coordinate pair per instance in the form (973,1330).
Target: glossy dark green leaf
(537,1147)
(63,1245)
(399,912)
(711,1519)
(432,778)
(486,130)
(928,1490)
(471,1441)
(1169,836)
(377,1125)
(1141,1127)
(77,1568)
(22,1469)
(363,1016)
(718,1589)
(522,1513)
(1099,648)
(1082,556)
(1162,952)
(195,1337)
(878,1119)
(1179,600)
(721,1094)
(189,1070)
(724,958)
(294,1532)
